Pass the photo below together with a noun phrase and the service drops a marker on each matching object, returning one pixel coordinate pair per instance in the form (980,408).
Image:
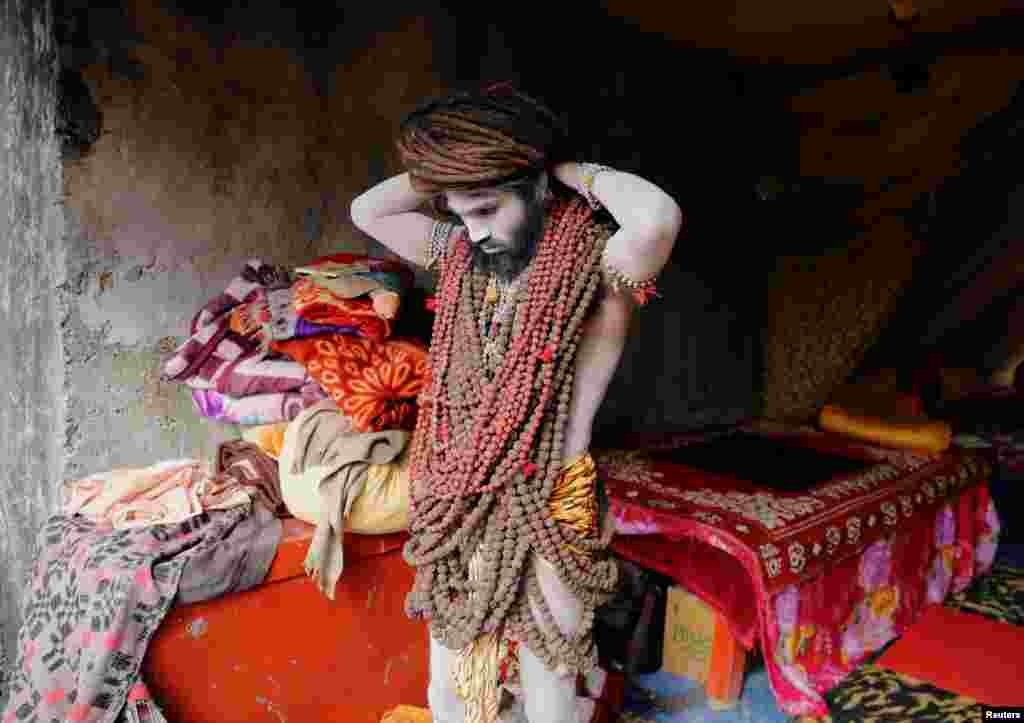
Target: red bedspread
(837,565)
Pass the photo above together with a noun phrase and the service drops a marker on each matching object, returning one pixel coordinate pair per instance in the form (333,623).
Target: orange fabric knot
(529,469)
(643,295)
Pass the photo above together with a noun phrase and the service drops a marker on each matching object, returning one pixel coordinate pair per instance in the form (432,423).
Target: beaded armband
(641,291)
(590,171)
(439,234)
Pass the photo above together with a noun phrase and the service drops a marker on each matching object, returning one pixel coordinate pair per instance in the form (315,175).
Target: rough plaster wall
(797,31)
(31,227)
(399,62)
(222,151)
(826,312)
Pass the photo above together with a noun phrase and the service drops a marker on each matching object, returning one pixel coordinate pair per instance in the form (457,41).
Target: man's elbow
(670,220)
(357,211)
(361,214)
(666,225)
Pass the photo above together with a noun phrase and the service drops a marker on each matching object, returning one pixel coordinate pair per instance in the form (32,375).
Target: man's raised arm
(649,219)
(387,212)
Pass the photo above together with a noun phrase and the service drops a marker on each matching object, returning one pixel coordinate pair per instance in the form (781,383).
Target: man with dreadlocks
(508,531)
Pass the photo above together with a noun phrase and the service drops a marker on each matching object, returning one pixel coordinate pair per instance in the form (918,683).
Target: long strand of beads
(538,537)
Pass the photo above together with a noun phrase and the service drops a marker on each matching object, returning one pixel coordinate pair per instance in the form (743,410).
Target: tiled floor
(678,700)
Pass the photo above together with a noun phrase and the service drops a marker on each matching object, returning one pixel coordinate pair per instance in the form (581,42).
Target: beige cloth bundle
(338,479)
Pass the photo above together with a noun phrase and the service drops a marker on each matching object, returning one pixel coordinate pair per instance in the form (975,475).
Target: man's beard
(507,265)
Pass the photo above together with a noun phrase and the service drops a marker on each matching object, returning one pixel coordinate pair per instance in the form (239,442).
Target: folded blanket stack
(311,346)
(277,341)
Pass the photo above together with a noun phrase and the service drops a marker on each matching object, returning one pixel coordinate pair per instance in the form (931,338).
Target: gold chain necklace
(499,303)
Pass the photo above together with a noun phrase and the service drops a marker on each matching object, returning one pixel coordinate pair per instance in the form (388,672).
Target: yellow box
(689,635)
(699,645)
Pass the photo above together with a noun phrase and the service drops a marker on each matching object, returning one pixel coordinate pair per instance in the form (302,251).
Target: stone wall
(31,245)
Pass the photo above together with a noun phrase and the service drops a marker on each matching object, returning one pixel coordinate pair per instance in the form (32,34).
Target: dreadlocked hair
(487,138)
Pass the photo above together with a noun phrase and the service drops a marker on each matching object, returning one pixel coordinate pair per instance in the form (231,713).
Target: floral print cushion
(375,384)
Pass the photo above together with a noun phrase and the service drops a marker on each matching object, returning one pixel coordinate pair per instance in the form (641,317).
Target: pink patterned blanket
(97,596)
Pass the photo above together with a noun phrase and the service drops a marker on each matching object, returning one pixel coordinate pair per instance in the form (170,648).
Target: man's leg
(445,704)
(550,697)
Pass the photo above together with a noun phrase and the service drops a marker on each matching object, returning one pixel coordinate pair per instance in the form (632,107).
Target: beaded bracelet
(439,233)
(588,172)
(616,279)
